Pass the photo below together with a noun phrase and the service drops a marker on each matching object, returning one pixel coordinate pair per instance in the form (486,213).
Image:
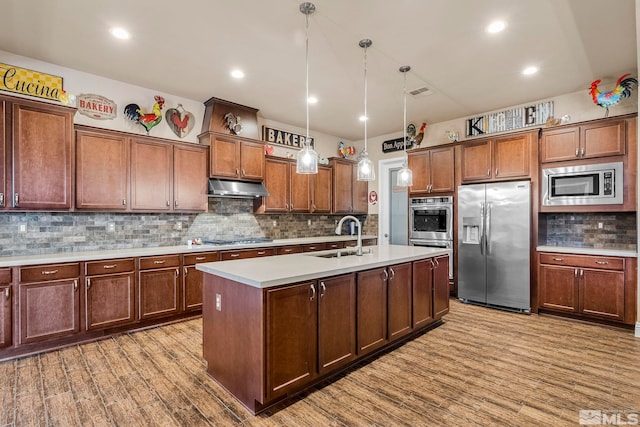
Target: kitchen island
(273,327)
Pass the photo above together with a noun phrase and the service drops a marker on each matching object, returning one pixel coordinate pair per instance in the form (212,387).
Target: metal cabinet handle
(313,206)
(201,258)
(237,171)
(602,262)
(577,152)
(159,262)
(124,202)
(496,171)
(582,151)
(177,272)
(489,172)
(558,259)
(75,285)
(15,200)
(433,265)
(581,273)
(47,272)
(313,292)
(393,273)
(88,283)
(437,262)
(168,204)
(108,266)
(575,272)
(2,201)
(186,270)
(386,275)
(235,255)
(175,203)
(261,252)
(323,289)
(7,293)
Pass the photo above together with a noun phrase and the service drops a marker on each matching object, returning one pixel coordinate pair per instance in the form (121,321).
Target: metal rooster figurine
(134,113)
(623,88)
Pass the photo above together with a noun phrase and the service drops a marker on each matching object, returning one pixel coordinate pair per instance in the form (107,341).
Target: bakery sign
(284,138)
(28,82)
(96,106)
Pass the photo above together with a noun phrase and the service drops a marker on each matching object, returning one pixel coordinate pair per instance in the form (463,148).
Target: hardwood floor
(482,367)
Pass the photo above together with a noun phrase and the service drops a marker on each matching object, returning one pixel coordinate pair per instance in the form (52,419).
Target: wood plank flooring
(482,367)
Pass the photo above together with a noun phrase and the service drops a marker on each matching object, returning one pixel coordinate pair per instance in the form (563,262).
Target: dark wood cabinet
(586,285)
(399,298)
(433,170)
(189,178)
(422,293)
(291,337)
(158,286)
(314,247)
(102,171)
(192,279)
(48,302)
(499,158)
(371,309)
(151,179)
(41,155)
(288,191)
(246,253)
(6,308)
(349,194)
(288,250)
(5,166)
(109,293)
(321,190)
(600,138)
(440,286)
(234,157)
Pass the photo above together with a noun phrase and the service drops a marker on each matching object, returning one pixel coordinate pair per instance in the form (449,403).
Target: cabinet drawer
(286,250)
(369,242)
(5,276)
(109,266)
(202,257)
(43,273)
(159,262)
(245,253)
(334,245)
(312,247)
(583,261)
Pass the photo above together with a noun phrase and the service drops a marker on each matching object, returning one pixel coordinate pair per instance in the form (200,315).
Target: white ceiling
(188,48)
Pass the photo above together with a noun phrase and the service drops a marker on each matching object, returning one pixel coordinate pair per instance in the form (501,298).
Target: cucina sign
(29,82)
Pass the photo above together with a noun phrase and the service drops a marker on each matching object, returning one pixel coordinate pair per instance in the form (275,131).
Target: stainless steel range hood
(239,189)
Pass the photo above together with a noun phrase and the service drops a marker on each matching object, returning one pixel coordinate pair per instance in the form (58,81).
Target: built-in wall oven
(431,224)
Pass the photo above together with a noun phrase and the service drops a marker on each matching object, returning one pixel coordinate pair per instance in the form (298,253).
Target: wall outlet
(218,302)
(178,225)
(275,223)
(600,225)
(23,228)
(111,227)
(309,222)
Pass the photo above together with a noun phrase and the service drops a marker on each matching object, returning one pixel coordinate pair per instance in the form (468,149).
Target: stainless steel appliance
(494,244)
(448,244)
(594,184)
(431,218)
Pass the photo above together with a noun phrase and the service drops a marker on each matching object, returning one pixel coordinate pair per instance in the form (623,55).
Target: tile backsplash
(55,232)
(619,230)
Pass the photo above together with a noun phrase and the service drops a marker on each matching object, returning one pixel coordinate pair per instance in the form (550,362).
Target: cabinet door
(252,160)
(276,180)
(151,178)
(102,171)
(342,184)
(441,286)
(4,158)
(109,300)
(336,322)
(291,346)
(399,300)
(359,193)
(441,170)
(42,156)
(321,192)
(476,161)
(371,309)
(422,293)
(224,157)
(511,156)
(602,294)
(6,306)
(558,287)
(158,292)
(189,178)
(603,139)
(419,165)
(299,191)
(193,279)
(48,310)
(560,144)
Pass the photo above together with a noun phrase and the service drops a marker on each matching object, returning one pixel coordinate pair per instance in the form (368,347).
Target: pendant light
(307,158)
(366,171)
(405,176)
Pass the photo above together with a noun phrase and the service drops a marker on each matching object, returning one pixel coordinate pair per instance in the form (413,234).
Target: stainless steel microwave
(595,184)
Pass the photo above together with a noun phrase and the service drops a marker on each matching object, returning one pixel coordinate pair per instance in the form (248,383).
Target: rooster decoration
(417,139)
(344,151)
(148,120)
(623,88)
(180,121)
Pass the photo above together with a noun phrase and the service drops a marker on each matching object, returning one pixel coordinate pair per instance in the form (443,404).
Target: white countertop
(588,251)
(272,271)
(160,250)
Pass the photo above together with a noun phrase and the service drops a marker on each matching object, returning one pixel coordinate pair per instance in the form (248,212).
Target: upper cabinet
(37,155)
(500,158)
(594,139)
(433,170)
(233,157)
(349,194)
(321,190)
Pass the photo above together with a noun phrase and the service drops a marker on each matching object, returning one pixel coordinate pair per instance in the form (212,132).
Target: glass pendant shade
(307,160)
(366,171)
(405,176)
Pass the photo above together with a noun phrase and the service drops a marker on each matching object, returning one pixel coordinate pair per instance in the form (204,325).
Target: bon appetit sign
(396,145)
(284,138)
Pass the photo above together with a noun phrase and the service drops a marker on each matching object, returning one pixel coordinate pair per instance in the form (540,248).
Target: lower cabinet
(422,293)
(49,302)
(399,296)
(371,309)
(246,253)
(109,293)
(5,308)
(158,286)
(590,286)
(192,279)
(440,286)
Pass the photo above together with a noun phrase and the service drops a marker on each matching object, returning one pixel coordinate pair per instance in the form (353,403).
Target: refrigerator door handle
(482,236)
(488,229)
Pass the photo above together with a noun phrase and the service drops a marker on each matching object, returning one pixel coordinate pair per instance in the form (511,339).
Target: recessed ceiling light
(363,118)
(237,74)
(312,100)
(530,70)
(496,27)
(120,33)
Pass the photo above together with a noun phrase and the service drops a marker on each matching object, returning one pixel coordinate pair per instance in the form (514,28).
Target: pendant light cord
(366,117)
(306,59)
(404,132)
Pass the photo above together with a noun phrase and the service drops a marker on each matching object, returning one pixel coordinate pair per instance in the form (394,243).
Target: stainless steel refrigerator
(494,244)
